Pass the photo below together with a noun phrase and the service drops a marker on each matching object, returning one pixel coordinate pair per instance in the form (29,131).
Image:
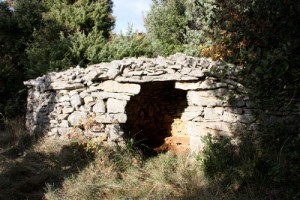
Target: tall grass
(163,177)
(13,133)
(52,169)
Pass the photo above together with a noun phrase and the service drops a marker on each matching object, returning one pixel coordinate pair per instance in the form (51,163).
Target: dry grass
(51,169)
(163,177)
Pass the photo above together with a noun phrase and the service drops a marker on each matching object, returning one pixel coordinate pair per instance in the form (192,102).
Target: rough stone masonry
(149,99)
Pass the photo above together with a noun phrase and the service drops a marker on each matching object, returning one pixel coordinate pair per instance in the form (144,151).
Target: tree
(166,25)
(131,44)
(263,37)
(16,27)
(70,30)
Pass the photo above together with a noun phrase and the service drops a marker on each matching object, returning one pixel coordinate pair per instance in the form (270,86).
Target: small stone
(77,118)
(67,110)
(83,94)
(88,99)
(111,118)
(113,70)
(175,66)
(99,107)
(63,99)
(64,124)
(91,75)
(71,93)
(197,73)
(63,116)
(75,100)
(157,73)
(185,71)
(115,132)
(211,84)
(135,73)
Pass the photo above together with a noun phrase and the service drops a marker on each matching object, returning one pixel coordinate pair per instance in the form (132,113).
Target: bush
(265,162)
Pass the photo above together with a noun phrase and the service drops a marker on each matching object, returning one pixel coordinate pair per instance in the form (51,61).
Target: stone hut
(165,103)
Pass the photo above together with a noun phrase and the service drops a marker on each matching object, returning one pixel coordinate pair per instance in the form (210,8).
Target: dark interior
(151,113)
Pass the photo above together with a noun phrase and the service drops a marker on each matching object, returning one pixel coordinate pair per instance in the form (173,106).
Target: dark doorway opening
(154,117)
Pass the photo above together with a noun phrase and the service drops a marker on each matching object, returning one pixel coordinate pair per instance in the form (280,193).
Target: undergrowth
(254,166)
(263,165)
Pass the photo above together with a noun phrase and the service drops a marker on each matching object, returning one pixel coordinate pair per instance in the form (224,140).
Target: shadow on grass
(27,176)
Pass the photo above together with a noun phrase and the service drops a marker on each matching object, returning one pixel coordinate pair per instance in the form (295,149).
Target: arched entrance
(154,118)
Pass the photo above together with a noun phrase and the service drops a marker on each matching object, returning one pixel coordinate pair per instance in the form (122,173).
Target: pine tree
(71,30)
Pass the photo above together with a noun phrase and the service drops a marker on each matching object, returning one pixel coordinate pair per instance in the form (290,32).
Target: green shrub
(264,162)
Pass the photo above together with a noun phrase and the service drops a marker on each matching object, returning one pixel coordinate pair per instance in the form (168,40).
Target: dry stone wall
(151,98)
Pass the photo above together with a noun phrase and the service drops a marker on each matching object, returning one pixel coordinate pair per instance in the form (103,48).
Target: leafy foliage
(265,162)
(263,37)
(73,29)
(16,28)
(131,44)
(166,25)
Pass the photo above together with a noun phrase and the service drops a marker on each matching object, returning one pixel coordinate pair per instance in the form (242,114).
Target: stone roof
(178,67)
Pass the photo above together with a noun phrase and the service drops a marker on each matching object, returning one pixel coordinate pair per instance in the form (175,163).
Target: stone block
(196,99)
(195,129)
(65,85)
(197,73)
(91,75)
(211,84)
(116,106)
(99,107)
(211,114)
(229,117)
(196,144)
(115,87)
(114,132)
(86,108)
(221,126)
(203,128)
(83,94)
(62,116)
(113,70)
(187,85)
(88,99)
(186,71)
(75,100)
(176,67)
(106,95)
(64,124)
(189,114)
(67,110)
(77,118)
(234,110)
(246,118)
(236,103)
(63,131)
(63,98)
(71,93)
(111,118)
